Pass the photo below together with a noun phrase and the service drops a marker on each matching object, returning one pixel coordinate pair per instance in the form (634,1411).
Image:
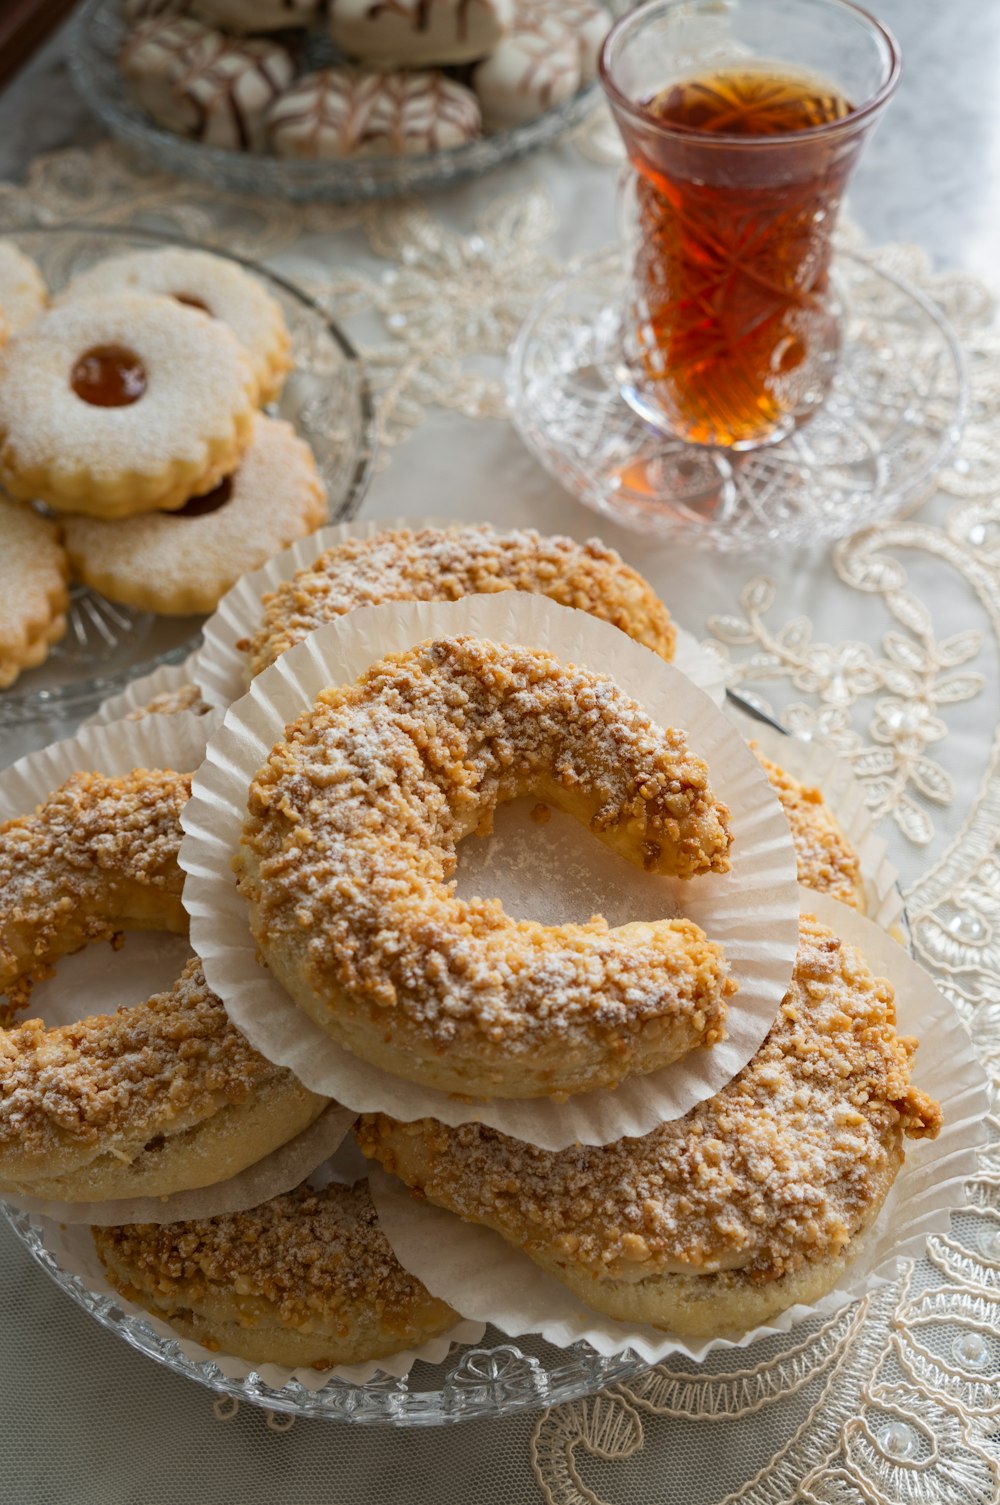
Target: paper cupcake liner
(815,764)
(113,749)
(477,1272)
(281,1171)
(163,681)
(72,1248)
(752,910)
(220,669)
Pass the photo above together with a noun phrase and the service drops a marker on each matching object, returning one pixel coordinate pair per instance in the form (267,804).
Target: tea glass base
(894,414)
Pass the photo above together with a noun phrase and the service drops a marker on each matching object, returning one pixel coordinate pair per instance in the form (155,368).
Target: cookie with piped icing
(418,33)
(183,562)
(535,67)
(586,22)
(338,113)
(258,15)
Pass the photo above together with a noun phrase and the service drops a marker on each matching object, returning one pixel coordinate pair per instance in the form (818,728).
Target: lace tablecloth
(886,647)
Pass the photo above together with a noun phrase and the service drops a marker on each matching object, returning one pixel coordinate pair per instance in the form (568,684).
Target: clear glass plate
(326,397)
(893,416)
(95,42)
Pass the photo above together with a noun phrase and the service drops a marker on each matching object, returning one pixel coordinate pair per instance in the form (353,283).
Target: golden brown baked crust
(97,857)
(171,702)
(34,598)
(444,564)
(141,1102)
(307,1278)
(154,1099)
(827,861)
(714,1218)
(350,840)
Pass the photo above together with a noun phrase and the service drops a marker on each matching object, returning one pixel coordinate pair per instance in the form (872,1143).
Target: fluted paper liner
(221,669)
(114,749)
(752,910)
(815,764)
(479,1273)
(278,1172)
(97,978)
(139,692)
(72,1247)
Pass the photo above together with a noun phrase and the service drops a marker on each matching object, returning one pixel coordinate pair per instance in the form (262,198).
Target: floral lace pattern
(895,1398)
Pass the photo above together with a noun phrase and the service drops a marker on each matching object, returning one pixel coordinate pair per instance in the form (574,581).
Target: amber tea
(734,326)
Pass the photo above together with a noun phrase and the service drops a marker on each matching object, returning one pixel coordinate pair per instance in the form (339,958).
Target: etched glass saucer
(326,398)
(894,414)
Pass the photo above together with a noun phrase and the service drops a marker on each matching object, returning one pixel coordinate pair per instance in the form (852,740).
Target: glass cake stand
(894,415)
(98,31)
(328,400)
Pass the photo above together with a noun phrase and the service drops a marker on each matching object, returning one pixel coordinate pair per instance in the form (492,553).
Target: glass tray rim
(26,706)
(344,182)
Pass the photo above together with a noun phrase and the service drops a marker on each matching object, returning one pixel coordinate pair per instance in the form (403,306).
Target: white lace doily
(887,648)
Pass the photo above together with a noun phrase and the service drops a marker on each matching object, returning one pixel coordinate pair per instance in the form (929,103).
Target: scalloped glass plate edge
(475,1382)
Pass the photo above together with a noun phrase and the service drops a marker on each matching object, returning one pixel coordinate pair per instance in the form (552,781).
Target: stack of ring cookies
(130,411)
(713,1222)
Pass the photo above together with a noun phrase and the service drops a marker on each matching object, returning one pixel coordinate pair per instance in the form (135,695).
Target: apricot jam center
(109,376)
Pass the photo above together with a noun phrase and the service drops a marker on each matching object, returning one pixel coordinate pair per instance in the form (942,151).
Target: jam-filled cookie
(33,595)
(23,295)
(212,283)
(180,562)
(112,406)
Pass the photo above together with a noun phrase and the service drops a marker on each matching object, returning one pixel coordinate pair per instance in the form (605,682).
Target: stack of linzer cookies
(418,75)
(680,1116)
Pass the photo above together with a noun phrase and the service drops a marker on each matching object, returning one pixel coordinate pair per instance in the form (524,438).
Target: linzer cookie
(23,295)
(204,85)
(33,595)
(536,66)
(418,33)
(182,562)
(258,15)
(350,112)
(214,284)
(112,406)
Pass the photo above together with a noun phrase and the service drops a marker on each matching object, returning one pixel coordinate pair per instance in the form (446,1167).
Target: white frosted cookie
(258,15)
(587,23)
(418,33)
(536,66)
(23,294)
(199,83)
(154,57)
(178,563)
(134,12)
(111,406)
(351,112)
(218,286)
(33,595)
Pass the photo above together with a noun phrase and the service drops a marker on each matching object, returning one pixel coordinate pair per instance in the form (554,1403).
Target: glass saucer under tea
(95,42)
(893,416)
(326,398)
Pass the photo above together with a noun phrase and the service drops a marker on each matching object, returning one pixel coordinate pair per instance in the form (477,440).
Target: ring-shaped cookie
(167,412)
(305,1279)
(351,839)
(444,564)
(162,1097)
(720,1220)
(182,562)
(214,284)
